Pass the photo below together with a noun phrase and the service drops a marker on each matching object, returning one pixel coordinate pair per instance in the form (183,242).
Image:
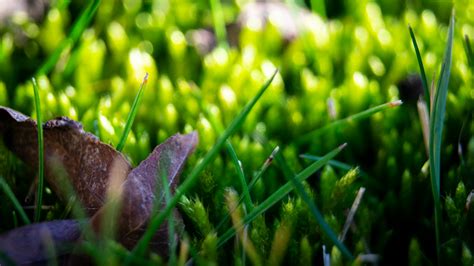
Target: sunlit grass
(346,121)
(279,194)
(192,178)
(437,114)
(76,31)
(132,114)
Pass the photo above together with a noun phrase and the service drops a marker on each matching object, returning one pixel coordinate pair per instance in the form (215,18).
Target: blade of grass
(235,160)
(313,208)
(218,127)
(6,188)
(425,123)
(39,122)
(192,178)
(219,23)
(15,219)
(280,193)
(132,114)
(436,131)
(74,35)
(350,216)
(267,162)
(236,215)
(424,81)
(264,167)
(335,163)
(468,50)
(345,121)
(241,174)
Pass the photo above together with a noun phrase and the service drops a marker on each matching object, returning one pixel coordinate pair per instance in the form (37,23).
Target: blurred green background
(353,56)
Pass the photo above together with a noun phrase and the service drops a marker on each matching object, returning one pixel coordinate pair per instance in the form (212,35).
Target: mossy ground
(334,67)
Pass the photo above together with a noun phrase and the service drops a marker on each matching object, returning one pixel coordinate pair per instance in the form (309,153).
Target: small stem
(39,122)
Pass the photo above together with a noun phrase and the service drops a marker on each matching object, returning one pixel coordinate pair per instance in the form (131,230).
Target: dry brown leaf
(86,160)
(143,187)
(96,171)
(30,244)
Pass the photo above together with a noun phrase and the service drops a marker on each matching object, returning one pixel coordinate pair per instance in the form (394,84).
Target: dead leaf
(95,169)
(143,187)
(30,244)
(86,161)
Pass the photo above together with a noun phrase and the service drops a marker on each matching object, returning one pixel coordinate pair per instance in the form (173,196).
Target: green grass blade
(132,114)
(280,194)
(265,165)
(313,208)
(39,194)
(191,179)
(424,81)
(334,163)
(468,50)
(345,121)
(76,32)
(217,126)
(15,219)
(235,160)
(436,130)
(7,190)
(219,22)
(241,174)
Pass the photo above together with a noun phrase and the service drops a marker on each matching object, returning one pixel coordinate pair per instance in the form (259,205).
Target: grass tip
(342,146)
(395,103)
(145,79)
(275,72)
(277,149)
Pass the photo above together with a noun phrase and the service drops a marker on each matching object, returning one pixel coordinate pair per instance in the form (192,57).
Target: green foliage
(338,78)
(437,114)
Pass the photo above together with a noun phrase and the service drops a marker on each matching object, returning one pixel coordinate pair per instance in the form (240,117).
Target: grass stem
(345,121)
(438,111)
(424,81)
(132,114)
(312,206)
(39,194)
(8,191)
